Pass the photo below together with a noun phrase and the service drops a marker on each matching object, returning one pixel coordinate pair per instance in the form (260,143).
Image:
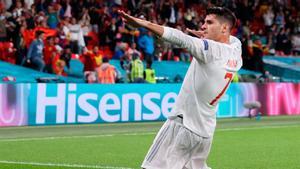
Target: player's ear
(225,28)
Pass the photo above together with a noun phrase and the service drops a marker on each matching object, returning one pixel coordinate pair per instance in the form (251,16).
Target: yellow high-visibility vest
(137,69)
(150,76)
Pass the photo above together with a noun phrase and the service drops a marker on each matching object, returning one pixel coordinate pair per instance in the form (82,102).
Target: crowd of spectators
(92,32)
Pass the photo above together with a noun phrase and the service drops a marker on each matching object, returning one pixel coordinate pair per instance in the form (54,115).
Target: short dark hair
(223,13)
(38,33)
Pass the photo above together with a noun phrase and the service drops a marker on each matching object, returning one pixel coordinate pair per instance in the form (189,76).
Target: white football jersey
(206,80)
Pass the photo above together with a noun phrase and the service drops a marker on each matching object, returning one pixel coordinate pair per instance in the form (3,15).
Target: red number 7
(227,76)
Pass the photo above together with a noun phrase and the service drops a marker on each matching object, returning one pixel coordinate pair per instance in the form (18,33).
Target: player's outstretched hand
(133,21)
(199,34)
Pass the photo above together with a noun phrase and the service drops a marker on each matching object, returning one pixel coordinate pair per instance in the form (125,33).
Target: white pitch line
(72,126)
(135,134)
(61,165)
(73,137)
(257,128)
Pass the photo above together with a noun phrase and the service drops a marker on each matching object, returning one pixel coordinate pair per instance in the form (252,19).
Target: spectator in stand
(66,56)
(126,59)
(149,73)
(58,65)
(185,55)
(106,73)
(246,29)
(112,32)
(85,25)
(64,31)
(269,18)
(93,39)
(28,15)
(48,54)
(296,44)
(163,50)
(67,8)
(131,51)
(35,52)
(169,12)
(21,49)
(17,9)
(244,10)
(121,49)
(3,34)
(98,56)
(125,65)
(287,46)
(136,70)
(271,35)
(246,45)
(52,17)
(256,55)
(78,7)
(12,29)
(7,52)
(132,5)
(96,14)
(146,44)
(279,19)
(76,36)
(40,20)
(281,40)
(188,18)
(57,44)
(40,6)
(89,66)
(263,38)
(28,3)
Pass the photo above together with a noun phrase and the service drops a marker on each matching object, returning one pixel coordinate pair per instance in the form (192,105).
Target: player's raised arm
(194,45)
(136,22)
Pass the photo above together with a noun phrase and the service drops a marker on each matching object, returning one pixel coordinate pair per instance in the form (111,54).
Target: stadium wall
(50,104)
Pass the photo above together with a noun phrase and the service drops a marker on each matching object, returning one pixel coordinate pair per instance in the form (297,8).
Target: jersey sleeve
(201,49)
(234,41)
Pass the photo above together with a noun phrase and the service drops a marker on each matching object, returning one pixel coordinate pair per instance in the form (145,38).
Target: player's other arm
(198,47)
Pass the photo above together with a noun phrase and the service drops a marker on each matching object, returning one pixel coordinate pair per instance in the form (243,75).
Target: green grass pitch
(239,143)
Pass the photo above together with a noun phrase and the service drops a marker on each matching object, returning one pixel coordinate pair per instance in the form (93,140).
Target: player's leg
(199,156)
(183,147)
(172,147)
(164,153)
(156,148)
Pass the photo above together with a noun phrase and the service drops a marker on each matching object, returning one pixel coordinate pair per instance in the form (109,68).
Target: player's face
(212,28)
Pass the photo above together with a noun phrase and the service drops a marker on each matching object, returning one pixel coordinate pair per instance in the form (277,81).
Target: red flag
(29,35)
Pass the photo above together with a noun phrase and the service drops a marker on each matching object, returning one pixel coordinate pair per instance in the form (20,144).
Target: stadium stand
(79,34)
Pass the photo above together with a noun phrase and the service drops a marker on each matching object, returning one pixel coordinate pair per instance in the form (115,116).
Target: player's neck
(224,39)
